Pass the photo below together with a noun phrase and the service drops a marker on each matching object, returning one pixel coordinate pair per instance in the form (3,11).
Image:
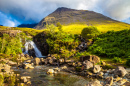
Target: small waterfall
(32,45)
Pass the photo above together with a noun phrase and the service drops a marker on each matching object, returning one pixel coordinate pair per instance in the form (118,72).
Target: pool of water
(40,78)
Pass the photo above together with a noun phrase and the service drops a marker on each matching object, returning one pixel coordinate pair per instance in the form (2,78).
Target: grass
(77,28)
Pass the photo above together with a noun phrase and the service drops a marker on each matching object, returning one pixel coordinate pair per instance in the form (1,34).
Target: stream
(40,78)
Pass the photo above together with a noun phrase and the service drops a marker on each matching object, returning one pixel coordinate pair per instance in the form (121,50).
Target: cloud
(7,21)
(31,11)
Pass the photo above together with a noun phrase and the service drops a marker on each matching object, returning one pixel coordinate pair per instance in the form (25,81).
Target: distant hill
(70,16)
(28,25)
(1,25)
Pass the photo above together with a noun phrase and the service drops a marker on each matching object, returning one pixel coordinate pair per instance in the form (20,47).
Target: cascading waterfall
(33,45)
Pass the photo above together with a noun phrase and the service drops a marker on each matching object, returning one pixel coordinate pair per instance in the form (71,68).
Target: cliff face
(69,16)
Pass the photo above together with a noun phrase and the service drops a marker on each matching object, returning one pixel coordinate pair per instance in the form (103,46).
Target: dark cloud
(31,11)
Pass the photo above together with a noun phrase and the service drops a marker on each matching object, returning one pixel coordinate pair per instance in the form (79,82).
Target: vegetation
(61,43)
(112,44)
(89,32)
(117,59)
(128,61)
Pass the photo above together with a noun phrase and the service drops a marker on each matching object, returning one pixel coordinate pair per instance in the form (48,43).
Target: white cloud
(6,21)
(30,11)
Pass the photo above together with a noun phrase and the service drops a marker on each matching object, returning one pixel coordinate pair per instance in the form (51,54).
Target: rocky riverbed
(50,72)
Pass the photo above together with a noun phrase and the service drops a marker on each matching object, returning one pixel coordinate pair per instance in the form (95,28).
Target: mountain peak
(63,9)
(68,16)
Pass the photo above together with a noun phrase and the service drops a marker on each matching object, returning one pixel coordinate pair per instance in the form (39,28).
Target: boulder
(120,71)
(87,64)
(37,61)
(94,83)
(96,69)
(93,58)
(109,80)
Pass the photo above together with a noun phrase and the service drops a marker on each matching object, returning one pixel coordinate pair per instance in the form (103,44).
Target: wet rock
(57,69)
(87,64)
(96,69)
(37,61)
(50,71)
(25,78)
(27,66)
(109,80)
(64,67)
(42,60)
(120,71)
(94,83)
(92,58)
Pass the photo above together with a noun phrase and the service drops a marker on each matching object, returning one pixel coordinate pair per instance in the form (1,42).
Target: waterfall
(33,46)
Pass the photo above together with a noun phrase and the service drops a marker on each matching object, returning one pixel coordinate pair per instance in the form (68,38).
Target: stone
(117,79)
(11,63)
(61,60)
(29,61)
(37,61)
(87,64)
(96,69)
(94,83)
(64,67)
(120,71)
(126,84)
(100,74)
(92,58)
(121,82)
(50,71)
(25,78)
(57,69)
(109,80)
(103,63)
(27,66)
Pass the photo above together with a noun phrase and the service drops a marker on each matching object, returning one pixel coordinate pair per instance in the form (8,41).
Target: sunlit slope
(77,28)
(28,31)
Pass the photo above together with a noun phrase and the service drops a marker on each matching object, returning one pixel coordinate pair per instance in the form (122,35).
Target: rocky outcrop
(11,33)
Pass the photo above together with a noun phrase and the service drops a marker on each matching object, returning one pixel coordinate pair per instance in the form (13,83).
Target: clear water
(40,78)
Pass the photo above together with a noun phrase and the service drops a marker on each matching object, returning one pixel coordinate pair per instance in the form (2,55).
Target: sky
(15,12)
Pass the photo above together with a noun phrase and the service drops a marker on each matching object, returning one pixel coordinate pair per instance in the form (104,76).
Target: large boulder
(87,64)
(37,61)
(96,69)
(120,71)
(93,58)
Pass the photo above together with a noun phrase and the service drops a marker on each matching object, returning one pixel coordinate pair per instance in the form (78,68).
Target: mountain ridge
(70,16)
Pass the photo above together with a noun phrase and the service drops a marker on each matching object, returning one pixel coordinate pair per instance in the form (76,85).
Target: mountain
(1,25)
(28,25)
(70,16)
